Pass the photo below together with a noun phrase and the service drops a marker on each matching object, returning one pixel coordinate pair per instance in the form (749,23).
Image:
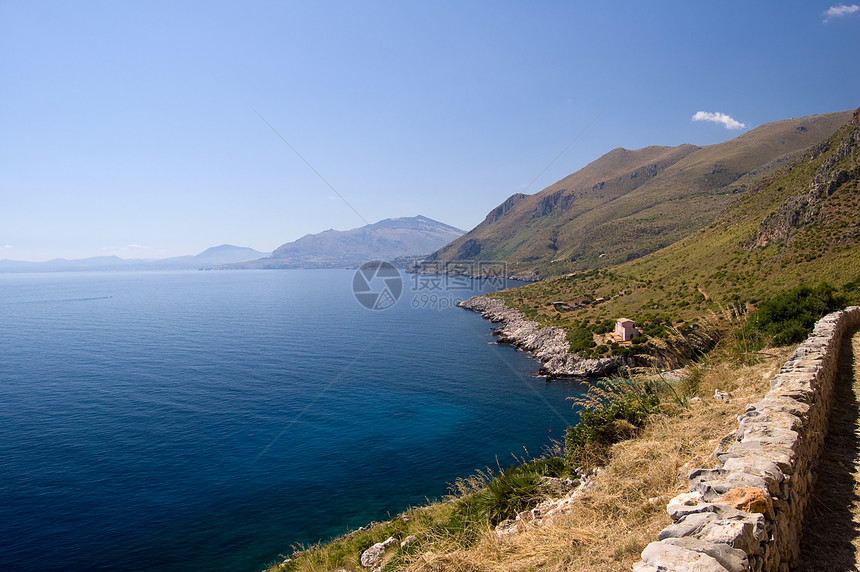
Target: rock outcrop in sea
(548,344)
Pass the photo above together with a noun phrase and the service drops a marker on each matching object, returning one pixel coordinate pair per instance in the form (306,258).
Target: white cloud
(841,10)
(726,120)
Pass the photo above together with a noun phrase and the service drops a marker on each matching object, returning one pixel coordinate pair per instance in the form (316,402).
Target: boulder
(373,555)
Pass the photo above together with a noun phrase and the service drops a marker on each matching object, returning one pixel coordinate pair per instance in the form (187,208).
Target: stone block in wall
(748,499)
(720,523)
(783,404)
(693,554)
(782,456)
(714,483)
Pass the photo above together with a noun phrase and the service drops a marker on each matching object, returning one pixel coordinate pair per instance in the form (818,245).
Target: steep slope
(386,239)
(798,225)
(629,203)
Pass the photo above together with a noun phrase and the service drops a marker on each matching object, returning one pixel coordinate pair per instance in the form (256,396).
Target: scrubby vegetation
(610,412)
(789,316)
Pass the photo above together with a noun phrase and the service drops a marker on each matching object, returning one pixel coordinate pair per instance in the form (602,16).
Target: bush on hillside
(789,316)
(580,339)
(516,489)
(614,415)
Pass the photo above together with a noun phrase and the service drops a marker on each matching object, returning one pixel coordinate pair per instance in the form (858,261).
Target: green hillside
(798,225)
(627,204)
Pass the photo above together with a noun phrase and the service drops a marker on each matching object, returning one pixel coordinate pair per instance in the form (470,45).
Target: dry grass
(624,512)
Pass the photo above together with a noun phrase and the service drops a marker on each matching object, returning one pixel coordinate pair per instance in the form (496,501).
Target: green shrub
(603,423)
(604,327)
(516,489)
(789,316)
(580,339)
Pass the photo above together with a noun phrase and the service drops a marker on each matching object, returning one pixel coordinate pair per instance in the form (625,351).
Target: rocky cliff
(806,208)
(547,344)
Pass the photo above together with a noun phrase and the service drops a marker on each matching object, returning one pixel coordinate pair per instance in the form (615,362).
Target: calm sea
(210,420)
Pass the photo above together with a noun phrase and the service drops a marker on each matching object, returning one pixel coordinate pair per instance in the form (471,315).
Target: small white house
(625,330)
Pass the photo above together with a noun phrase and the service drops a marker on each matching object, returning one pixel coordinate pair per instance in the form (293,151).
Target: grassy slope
(628,203)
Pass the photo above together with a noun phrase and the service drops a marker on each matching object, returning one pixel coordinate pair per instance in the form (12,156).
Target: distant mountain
(223,254)
(627,204)
(387,239)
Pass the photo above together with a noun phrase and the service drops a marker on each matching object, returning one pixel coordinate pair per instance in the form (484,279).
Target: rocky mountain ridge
(805,208)
(629,203)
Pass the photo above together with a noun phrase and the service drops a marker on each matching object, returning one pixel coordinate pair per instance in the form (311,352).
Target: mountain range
(387,239)
(222,254)
(629,203)
(619,208)
(393,239)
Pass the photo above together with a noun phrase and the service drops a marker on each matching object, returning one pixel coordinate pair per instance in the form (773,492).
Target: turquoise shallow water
(209,420)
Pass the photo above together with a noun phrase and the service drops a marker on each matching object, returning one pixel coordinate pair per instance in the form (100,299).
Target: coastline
(547,344)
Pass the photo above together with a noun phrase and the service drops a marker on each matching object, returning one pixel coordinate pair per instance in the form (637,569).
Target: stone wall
(746,513)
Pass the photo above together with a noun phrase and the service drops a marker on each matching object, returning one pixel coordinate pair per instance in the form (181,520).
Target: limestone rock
(548,344)
(560,486)
(729,558)
(373,555)
(508,527)
(714,483)
(688,525)
(682,502)
(665,556)
(744,534)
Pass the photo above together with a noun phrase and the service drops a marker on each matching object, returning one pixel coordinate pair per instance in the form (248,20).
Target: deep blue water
(209,420)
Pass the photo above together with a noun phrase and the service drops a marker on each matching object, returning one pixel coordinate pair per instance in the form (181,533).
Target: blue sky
(134,128)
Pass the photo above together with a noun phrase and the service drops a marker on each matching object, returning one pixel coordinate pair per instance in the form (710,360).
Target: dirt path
(831,529)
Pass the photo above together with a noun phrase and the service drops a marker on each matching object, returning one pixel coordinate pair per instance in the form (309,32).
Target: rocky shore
(548,344)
